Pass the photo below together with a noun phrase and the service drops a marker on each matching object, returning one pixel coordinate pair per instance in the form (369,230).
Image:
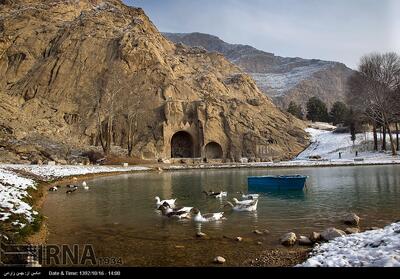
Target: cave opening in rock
(214,151)
(182,145)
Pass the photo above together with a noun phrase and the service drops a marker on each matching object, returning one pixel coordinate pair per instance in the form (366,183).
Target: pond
(118,217)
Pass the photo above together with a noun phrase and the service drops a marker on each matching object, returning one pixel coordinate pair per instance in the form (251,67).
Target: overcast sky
(338,30)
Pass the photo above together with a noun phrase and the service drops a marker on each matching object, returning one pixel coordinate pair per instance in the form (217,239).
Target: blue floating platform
(273,182)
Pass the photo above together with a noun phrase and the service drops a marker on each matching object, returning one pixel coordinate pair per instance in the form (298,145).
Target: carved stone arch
(214,150)
(182,145)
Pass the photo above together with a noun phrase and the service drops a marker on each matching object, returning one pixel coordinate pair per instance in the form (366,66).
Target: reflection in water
(119,217)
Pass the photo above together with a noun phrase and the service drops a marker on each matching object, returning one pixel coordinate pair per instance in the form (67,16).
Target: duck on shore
(210,217)
(53,189)
(160,202)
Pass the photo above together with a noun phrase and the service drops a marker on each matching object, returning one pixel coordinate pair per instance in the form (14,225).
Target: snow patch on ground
(328,144)
(13,190)
(54,172)
(378,248)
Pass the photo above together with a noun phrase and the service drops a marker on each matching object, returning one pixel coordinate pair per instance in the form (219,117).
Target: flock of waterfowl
(71,188)
(169,209)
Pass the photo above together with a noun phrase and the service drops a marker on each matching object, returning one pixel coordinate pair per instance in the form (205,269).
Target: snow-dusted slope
(327,145)
(279,84)
(285,79)
(378,248)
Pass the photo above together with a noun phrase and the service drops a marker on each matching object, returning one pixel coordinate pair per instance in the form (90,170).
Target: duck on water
(217,195)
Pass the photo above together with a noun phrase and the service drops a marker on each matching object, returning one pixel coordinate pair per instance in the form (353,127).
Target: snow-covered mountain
(283,79)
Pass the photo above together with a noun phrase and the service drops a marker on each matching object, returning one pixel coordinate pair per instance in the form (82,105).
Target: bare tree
(374,90)
(133,113)
(108,87)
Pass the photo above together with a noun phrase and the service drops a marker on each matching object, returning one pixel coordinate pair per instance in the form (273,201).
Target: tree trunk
(384,137)
(397,137)
(109,136)
(130,145)
(100,127)
(392,145)
(375,136)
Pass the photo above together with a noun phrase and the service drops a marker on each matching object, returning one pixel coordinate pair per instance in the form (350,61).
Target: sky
(335,30)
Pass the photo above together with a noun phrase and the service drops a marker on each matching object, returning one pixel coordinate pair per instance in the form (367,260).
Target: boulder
(351,219)
(315,237)
(219,260)
(332,233)
(201,235)
(305,241)
(352,230)
(288,239)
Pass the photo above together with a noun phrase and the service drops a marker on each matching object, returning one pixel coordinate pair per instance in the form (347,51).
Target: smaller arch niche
(214,151)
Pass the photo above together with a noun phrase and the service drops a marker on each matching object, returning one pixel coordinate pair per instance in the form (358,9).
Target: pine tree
(295,110)
(338,113)
(316,110)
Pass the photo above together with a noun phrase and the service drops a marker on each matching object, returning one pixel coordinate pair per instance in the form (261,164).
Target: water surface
(117,215)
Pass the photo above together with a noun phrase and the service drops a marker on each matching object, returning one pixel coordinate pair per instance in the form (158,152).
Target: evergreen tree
(316,110)
(295,110)
(338,113)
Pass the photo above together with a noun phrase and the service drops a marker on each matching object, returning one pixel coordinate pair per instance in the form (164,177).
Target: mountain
(75,71)
(283,79)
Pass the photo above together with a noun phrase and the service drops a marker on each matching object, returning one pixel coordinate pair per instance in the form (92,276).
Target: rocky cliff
(68,67)
(283,79)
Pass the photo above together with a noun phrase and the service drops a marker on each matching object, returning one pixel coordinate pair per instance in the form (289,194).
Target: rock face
(69,67)
(288,239)
(331,233)
(283,79)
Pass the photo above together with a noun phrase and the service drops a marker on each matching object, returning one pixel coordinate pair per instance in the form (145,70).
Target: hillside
(70,67)
(283,79)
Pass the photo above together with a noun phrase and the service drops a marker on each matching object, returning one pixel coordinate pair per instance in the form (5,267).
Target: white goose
(244,202)
(244,207)
(210,217)
(85,185)
(170,202)
(250,196)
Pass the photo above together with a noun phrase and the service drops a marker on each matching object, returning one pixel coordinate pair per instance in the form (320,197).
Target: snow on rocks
(378,248)
(53,172)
